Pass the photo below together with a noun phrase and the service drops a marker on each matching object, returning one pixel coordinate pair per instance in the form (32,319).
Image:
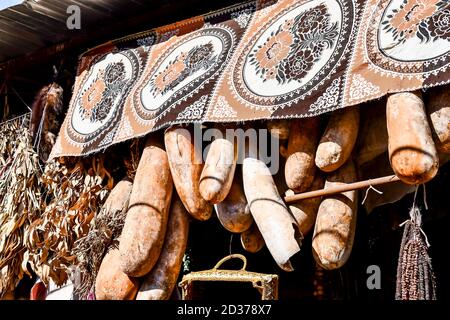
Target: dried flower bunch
(106,227)
(20,198)
(76,189)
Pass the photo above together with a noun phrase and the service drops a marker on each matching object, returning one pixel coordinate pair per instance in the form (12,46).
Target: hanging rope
(415,277)
(425,197)
(20,98)
(367,193)
(6,102)
(23,118)
(37,140)
(231,242)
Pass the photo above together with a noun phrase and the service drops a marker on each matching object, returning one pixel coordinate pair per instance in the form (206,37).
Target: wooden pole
(341,188)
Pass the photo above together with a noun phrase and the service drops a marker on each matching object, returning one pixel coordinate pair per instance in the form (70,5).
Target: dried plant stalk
(77,190)
(19,201)
(104,232)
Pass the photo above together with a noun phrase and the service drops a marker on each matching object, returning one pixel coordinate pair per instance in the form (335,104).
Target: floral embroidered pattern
(361,88)
(222,109)
(93,95)
(148,41)
(242,18)
(429,20)
(404,21)
(291,51)
(328,99)
(108,139)
(114,72)
(100,96)
(439,24)
(167,79)
(194,111)
(198,58)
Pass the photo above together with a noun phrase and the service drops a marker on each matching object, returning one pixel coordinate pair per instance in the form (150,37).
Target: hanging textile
(258,60)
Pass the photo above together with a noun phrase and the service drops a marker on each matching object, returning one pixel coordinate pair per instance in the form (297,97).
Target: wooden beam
(341,188)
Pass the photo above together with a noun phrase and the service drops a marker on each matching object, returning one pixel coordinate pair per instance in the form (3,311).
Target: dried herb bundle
(106,228)
(42,214)
(104,233)
(19,201)
(77,190)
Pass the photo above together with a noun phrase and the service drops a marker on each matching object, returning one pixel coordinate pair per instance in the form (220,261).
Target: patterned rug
(258,60)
